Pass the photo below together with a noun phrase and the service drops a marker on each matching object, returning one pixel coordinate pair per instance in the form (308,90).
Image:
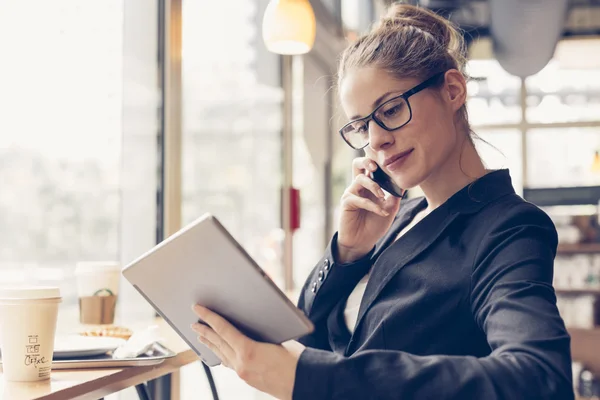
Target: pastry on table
(110,331)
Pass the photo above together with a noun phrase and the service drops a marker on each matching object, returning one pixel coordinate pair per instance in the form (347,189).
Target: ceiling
(524,33)
(473,16)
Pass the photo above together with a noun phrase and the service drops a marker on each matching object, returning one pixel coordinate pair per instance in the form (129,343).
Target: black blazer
(460,307)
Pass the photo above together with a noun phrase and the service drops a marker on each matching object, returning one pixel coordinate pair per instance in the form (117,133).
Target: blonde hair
(409,42)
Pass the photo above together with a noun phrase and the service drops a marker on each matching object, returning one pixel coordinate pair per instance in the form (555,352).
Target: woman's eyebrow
(379,100)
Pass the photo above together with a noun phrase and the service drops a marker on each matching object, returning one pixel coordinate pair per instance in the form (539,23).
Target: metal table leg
(142,391)
(160,388)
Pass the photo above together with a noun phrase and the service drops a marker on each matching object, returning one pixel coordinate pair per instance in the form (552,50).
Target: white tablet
(203,264)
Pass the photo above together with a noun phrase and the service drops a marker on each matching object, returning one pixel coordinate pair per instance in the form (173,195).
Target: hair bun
(400,16)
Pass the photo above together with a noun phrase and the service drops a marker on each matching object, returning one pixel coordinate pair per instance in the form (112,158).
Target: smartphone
(387,183)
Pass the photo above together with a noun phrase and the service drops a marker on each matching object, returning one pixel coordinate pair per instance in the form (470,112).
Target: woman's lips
(394,163)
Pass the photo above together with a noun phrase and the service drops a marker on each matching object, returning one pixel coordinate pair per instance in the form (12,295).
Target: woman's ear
(455,89)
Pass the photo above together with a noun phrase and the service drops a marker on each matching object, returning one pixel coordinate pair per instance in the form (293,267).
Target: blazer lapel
(405,215)
(409,246)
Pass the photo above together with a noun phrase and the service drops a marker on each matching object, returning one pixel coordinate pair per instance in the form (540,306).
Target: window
(78,129)
(231,128)
(562,116)
(62,146)
(568,88)
(313,138)
(562,156)
(231,125)
(493,94)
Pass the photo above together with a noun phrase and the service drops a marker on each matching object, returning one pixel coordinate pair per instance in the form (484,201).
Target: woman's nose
(379,138)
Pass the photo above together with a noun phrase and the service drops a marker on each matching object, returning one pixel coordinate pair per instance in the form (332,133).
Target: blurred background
(122,121)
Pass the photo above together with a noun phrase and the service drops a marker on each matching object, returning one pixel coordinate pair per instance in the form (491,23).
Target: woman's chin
(403,182)
(409,178)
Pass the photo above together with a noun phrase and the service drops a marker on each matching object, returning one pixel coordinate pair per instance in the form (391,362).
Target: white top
(353,302)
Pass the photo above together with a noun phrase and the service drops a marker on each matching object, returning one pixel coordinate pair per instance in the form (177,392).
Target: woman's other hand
(267,367)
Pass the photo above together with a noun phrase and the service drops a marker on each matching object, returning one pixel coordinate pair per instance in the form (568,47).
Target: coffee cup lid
(29,292)
(87,267)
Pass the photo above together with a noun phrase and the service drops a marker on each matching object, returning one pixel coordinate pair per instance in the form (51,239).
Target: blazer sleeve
(328,283)
(512,301)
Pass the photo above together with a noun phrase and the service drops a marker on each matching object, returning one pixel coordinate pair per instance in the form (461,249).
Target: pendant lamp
(289,27)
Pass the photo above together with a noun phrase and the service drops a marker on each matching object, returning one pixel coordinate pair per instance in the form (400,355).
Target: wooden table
(93,384)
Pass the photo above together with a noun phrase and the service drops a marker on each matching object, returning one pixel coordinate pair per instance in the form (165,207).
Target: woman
(443,297)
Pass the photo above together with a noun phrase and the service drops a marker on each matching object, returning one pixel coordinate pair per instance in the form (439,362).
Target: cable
(211,381)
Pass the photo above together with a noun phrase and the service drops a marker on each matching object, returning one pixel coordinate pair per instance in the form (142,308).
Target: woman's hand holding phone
(366,213)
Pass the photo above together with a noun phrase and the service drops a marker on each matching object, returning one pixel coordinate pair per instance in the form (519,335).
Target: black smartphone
(387,183)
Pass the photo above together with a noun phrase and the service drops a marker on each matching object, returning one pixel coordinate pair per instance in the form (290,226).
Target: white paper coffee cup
(98,278)
(27,329)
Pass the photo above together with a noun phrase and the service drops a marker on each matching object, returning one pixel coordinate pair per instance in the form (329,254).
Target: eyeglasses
(391,115)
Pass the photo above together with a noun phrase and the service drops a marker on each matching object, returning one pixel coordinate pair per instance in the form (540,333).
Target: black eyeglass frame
(421,86)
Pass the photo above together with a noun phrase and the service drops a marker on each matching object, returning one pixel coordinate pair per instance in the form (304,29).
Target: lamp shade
(289,27)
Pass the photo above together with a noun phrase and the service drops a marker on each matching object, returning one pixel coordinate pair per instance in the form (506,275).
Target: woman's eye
(361,128)
(391,111)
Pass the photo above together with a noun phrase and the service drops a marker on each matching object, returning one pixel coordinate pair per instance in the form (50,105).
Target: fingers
(228,341)
(215,349)
(220,325)
(362,182)
(353,202)
(215,343)
(362,165)
(364,194)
